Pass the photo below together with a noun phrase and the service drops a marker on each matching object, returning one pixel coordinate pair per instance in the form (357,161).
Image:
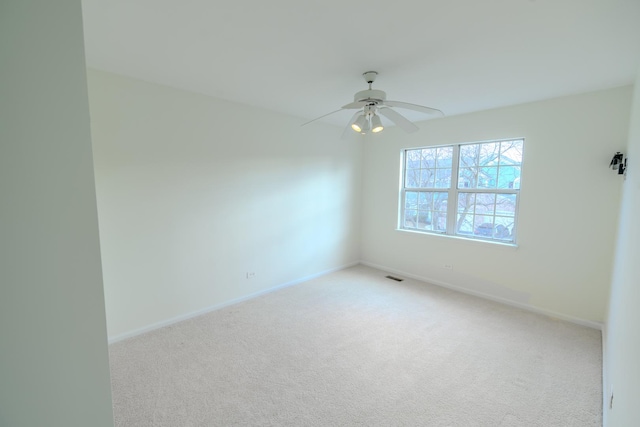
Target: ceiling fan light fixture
(366,127)
(371,102)
(360,123)
(376,124)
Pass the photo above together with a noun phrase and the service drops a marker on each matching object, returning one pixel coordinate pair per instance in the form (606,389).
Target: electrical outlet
(251,274)
(448,266)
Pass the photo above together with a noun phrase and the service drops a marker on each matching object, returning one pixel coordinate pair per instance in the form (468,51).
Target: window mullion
(403,183)
(452,201)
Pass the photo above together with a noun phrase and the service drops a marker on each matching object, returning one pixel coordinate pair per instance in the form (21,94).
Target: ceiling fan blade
(318,118)
(348,127)
(398,119)
(414,107)
(356,104)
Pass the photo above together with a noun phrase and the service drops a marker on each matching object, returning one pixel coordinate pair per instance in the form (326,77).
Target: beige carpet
(355,349)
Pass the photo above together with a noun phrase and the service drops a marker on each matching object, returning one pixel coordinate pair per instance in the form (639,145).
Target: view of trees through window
(468,190)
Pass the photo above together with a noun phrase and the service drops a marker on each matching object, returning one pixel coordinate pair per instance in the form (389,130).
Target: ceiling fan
(372,102)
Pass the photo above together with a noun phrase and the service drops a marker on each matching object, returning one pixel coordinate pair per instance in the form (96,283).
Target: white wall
(568,207)
(622,344)
(194,192)
(53,360)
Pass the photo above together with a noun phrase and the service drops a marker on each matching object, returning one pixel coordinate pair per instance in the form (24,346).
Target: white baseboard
(186,316)
(528,307)
(221,305)
(606,390)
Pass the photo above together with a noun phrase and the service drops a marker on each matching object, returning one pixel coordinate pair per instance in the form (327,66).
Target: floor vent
(397,279)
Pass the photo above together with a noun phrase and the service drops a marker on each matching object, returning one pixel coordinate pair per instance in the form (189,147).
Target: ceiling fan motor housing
(370,94)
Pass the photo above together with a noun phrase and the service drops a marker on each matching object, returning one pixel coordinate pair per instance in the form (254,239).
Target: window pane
(486,215)
(424,219)
(424,201)
(439,222)
(410,218)
(438,214)
(426,178)
(489,154)
(413,159)
(511,152)
(466,202)
(469,155)
(488,177)
(444,157)
(479,165)
(421,170)
(506,205)
(483,227)
(468,171)
(425,210)
(411,200)
(503,228)
(412,179)
(485,204)
(464,224)
(509,177)
(428,204)
(443,178)
(440,202)
(467,178)
(429,158)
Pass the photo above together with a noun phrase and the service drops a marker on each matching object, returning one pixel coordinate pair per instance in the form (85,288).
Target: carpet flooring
(353,348)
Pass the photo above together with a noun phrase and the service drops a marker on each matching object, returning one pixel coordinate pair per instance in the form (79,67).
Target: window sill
(502,245)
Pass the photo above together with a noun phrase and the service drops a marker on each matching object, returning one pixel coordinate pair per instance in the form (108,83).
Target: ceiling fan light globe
(376,124)
(366,127)
(361,124)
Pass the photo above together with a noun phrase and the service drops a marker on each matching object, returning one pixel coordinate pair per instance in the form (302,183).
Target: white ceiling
(305,58)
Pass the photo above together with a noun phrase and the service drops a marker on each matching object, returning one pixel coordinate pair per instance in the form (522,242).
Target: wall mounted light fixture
(619,163)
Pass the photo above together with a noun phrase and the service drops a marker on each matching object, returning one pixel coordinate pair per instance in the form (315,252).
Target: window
(466,190)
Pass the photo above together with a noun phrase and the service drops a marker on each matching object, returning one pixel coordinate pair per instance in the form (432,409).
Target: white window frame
(453,194)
